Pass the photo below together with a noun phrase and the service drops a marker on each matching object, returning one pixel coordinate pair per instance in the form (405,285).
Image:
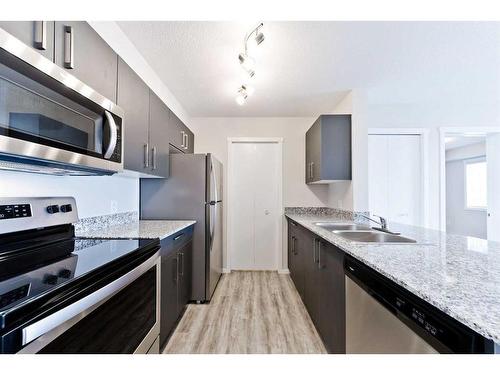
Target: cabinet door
(176,133)
(292,245)
(168,309)
(332,298)
(312,283)
(189,143)
(313,152)
(133,97)
(296,257)
(86,55)
(158,136)
(39,35)
(184,264)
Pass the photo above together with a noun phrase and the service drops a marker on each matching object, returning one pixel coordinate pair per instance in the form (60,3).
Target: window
(475,184)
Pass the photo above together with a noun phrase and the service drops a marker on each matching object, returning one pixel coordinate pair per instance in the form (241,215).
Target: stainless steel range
(61,294)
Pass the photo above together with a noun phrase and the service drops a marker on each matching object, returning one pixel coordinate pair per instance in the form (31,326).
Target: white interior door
(395,177)
(255,205)
(493,186)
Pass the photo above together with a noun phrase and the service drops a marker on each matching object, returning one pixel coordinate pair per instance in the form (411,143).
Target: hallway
(251,312)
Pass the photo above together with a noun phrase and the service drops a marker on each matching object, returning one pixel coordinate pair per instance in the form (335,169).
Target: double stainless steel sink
(363,233)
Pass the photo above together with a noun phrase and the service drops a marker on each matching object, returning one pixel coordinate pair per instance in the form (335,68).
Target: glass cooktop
(82,257)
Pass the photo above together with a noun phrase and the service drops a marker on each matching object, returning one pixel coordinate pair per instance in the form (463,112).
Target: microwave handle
(113,135)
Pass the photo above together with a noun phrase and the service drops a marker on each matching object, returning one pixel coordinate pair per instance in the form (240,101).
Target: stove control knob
(50,279)
(53,209)
(66,208)
(64,273)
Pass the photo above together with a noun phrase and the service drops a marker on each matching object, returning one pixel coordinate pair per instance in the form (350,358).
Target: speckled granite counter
(458,275)
(136,229)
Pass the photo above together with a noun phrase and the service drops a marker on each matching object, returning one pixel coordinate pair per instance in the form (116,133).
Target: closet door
(395,177)
(255,212)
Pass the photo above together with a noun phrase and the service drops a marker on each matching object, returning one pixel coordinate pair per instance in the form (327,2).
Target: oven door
(120,318)
(50,118)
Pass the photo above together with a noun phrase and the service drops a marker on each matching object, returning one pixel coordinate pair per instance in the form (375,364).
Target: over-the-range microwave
(50,121)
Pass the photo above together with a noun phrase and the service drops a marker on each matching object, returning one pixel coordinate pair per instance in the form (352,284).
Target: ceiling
(452,142)
(305,68)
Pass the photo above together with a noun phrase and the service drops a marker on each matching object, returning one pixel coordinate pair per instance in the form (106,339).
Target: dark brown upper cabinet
(39,35)
(328,150)
(80,50)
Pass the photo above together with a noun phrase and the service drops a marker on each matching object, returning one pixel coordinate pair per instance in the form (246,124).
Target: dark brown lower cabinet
(296,257)
(175,288)
(317,270)
(332,297)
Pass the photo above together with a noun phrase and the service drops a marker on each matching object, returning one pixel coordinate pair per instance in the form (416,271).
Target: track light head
(242,95)
(259,38)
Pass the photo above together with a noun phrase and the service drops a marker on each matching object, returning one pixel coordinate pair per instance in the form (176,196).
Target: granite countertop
(458,275)
(135,229)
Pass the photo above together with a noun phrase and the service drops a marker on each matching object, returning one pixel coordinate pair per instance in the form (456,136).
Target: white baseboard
(284,271)
(226,270)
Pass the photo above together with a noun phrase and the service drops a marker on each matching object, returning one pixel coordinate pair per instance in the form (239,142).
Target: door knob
(266,212)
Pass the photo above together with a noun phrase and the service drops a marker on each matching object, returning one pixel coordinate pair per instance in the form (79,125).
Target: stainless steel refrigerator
(192,192)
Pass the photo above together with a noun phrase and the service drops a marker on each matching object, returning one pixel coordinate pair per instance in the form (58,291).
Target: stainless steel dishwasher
(382,317)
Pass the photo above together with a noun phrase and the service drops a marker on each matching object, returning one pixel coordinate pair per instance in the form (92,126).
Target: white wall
(466,152)
(392,107)
(459,220)
(340,194)
(96,195)
(212,134)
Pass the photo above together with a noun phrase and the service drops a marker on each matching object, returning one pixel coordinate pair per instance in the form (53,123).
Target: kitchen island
(458,275)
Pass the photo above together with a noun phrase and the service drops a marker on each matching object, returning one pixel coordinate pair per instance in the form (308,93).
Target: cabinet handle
(183,139)
(178,237)
(312,170)
(153,151)
(146,155)
(40,35)
(69,62)
(187,141)
(314,250)
(181,264)
(319,254)
(176,265)
(295,246)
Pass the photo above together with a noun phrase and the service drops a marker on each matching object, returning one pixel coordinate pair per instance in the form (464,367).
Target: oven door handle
(73,313)
(113,138)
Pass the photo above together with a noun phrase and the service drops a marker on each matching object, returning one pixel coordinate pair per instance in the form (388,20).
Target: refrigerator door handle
(214,178)
(212,224)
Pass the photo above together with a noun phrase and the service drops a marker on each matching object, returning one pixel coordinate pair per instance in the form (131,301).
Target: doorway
(254,203)
(397,175)
(470,183)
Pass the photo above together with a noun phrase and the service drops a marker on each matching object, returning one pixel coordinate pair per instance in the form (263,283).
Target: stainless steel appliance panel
(192,192)
(215,249)
(64,330)
(182,197)
(50,122)
(372,329)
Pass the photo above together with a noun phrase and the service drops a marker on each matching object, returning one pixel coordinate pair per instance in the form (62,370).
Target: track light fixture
(243,93)
(254,37)
(247,62)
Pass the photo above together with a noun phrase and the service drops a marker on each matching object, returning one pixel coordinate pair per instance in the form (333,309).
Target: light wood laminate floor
(251,312)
